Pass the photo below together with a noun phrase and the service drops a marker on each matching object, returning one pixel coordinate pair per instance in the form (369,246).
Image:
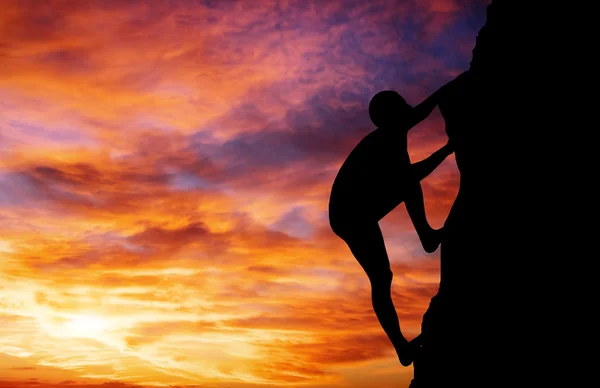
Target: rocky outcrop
(488,325)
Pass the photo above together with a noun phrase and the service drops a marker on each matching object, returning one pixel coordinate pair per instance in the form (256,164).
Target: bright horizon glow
(85,326)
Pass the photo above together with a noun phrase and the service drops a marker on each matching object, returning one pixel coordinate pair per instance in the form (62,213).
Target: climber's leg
(368,247)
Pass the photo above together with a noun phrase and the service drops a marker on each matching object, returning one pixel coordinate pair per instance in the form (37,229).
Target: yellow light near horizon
(6,247)
(86,326)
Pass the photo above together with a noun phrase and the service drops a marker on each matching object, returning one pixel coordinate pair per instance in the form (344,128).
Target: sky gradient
(165,169)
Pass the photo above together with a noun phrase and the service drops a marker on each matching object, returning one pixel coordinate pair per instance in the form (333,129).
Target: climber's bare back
(371,181)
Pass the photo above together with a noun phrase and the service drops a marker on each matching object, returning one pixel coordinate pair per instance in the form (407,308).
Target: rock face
(485,326)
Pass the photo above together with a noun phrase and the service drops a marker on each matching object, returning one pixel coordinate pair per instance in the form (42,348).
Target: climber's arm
(424,109)
(422,169)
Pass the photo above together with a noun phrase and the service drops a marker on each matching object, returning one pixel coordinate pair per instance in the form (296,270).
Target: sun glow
(85,326)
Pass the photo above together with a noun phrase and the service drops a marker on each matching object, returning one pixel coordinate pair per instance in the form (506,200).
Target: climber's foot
(416,342)
(432,240)
(406,353)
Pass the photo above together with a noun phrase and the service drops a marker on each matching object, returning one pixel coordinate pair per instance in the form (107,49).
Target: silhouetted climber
(375,178)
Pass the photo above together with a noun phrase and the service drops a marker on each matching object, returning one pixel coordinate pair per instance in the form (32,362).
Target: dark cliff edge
(494,319)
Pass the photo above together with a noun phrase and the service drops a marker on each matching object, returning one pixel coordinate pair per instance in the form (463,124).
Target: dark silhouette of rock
(496,318)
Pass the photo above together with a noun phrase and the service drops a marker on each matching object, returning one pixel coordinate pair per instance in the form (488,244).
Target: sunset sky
(165,168)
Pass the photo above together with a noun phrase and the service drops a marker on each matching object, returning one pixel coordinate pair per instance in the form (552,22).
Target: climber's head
(387,108)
